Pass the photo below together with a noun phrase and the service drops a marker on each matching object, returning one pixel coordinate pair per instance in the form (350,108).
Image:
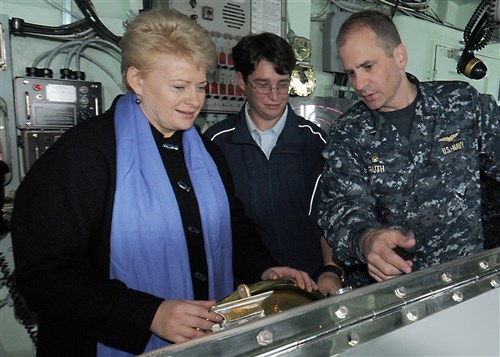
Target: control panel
(46,108)
(228,21)
(46,103)
(35,142)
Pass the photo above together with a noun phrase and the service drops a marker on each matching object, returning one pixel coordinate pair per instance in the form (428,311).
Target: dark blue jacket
(278,193)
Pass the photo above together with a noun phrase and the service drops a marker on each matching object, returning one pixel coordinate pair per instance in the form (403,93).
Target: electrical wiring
(290,34)
(88,11)
(415,3)
(405,6)
(69,31)
(106,70)
(19,25)
(3,107)
(39,58)
(395,8)
(412,4)
(434,17)
(322,12)
(58,49)
(101,44)
(427,17)
(72,47)
(84,28)
(482,34)
(417,9)
(23,314)
(347,6)
(401,4)
(82,35)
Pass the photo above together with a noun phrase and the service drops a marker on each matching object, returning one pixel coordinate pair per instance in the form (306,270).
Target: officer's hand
(329,283)
(378,248)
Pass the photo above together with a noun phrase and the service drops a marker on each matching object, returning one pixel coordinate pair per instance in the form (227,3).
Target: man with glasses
(275,159)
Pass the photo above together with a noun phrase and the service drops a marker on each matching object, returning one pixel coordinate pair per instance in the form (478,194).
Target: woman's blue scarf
(148,246)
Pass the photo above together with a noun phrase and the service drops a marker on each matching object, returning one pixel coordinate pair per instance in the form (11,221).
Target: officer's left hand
(329,283)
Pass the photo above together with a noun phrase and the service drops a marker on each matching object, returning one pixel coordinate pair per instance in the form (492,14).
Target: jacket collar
(289,135)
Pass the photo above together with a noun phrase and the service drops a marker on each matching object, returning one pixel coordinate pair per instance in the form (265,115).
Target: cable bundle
(85,28)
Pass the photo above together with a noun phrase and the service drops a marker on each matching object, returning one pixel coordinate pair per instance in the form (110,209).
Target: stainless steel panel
(353,322)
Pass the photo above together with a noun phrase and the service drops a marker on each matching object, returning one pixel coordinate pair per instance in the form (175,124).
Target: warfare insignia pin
(449,139)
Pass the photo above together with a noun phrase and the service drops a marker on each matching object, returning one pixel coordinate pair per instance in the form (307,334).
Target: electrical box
(55,103)
(35,142)
(46,108)
(236,18)
(228,22)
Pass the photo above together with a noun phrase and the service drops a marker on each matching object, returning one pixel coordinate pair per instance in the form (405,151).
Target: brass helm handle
(244,291)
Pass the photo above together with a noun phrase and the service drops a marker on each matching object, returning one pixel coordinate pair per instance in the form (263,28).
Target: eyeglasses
(266,88)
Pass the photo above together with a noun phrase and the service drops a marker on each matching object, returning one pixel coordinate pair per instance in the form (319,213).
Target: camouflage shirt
(429,183)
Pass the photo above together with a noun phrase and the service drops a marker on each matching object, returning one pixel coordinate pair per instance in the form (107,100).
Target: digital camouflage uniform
(490,201)
(429,184)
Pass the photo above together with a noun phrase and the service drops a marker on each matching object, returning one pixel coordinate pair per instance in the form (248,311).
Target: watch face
(302,48)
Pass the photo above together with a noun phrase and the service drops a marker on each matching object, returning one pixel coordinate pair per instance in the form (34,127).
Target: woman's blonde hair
(165,31)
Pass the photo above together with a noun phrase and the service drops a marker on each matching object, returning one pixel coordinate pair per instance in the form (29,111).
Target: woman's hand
(301,277)
(180,321)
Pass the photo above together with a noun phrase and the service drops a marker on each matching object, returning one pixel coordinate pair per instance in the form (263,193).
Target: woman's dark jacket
(61,229)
